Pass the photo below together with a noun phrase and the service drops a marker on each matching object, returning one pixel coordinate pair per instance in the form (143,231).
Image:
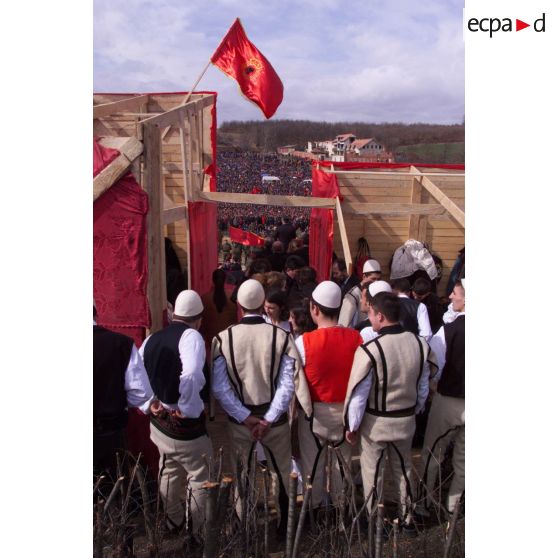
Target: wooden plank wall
(386,233)
(127,125)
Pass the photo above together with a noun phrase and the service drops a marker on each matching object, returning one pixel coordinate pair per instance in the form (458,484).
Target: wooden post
(156,282)
(187,98)
(452,524)
(211,543)
(305,505)
(194,151)
(415,220)
(379,531)
(293,483)
(344,237)
(186,177)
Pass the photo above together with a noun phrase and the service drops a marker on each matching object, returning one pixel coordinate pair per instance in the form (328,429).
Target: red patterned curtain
(120,253)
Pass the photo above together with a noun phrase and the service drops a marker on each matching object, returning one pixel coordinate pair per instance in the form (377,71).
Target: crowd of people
(355,363)
(244,172)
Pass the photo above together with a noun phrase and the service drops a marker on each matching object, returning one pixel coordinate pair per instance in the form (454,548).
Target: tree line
(271,134)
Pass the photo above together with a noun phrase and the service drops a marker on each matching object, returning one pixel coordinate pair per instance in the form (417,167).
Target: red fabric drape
(203,244)
(102,157)
(120,276)
(324,185)
(120,255)
(202,216)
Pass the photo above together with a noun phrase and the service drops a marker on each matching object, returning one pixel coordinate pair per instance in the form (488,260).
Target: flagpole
(192,89)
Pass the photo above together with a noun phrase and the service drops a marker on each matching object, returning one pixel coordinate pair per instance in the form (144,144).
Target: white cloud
(368,60)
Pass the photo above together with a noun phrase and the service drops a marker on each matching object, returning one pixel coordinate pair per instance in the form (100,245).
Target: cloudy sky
(365,60)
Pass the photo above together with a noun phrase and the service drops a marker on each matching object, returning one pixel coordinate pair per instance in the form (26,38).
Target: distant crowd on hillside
(242,172)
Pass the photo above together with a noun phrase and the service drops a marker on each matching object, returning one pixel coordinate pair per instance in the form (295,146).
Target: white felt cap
(251,294)
(371,266)
(328,294)
(463,282)
(379,287)
(188,305)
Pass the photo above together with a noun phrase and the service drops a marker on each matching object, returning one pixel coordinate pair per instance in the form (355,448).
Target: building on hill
(365,147)
(347,147)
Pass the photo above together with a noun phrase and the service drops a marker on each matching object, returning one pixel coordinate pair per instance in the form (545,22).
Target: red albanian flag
(241,60)
(245,237)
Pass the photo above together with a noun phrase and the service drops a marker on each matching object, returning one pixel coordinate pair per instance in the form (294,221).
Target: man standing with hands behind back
(255,366)
(388,385)
(174,358)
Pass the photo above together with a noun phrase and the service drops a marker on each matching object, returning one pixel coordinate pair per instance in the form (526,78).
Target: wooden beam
(173,214)
(125,105)
(125,145)
(414,220)
(175,115)
(344,237)
(156,281)
(399,173)
(266,199)
(392,209)
(130,149)
(457,213)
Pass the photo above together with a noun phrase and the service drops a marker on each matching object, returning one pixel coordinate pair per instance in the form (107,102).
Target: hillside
(268,135)
(443,153)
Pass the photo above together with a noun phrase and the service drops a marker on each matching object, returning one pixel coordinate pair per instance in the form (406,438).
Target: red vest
(329,356)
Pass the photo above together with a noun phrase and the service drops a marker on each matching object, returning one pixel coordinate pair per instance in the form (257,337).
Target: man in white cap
(370,291)
(351,313)
(174,358)
(387,386)
(255,368)
(446,421)
(327,354)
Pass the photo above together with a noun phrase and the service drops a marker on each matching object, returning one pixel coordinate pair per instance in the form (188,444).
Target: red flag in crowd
(256,190)
(245,237)
(241,60)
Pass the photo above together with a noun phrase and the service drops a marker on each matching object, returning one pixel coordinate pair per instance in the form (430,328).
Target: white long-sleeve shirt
(360,395)
(438,342)
(283,325)
(191,349)
(422,319)
(224,393)
(368,333)
(136,383)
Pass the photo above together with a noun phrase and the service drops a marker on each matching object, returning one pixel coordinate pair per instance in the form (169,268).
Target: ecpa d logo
(494,24)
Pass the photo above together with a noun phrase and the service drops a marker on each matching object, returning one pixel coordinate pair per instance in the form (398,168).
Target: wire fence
(241,518)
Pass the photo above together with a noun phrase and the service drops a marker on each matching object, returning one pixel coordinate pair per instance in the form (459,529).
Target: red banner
(324,185)
(203,225)
(237,57)
(245,237)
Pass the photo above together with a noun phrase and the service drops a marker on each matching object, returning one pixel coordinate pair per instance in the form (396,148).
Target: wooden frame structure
(390,206)
(166,143)
(135,125)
